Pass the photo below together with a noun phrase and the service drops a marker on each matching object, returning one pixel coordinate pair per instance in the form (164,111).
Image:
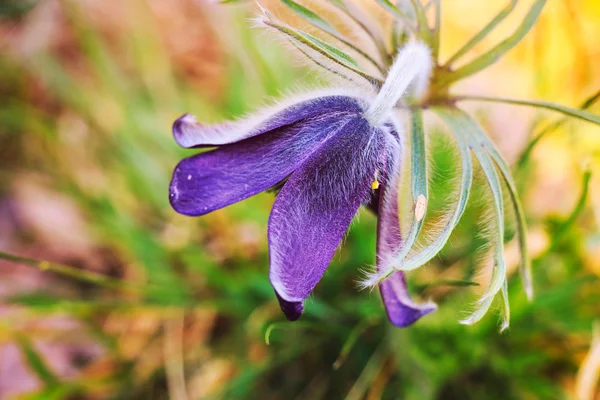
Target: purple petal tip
(409,316)
(181,126)
(292,309)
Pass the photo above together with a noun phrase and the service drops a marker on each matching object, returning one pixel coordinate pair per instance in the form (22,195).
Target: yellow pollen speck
(375,184)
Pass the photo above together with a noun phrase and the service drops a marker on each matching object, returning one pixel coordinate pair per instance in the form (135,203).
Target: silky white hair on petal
(409,73)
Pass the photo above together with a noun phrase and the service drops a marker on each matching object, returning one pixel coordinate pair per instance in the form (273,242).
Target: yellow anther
(375,184)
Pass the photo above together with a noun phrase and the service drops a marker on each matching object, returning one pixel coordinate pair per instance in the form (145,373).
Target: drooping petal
(315,207)
(401,309)
(215,179)
(189,133)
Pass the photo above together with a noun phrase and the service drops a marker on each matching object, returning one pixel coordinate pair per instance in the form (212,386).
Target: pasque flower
(334,150)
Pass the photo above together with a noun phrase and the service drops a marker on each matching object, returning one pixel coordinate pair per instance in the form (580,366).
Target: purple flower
(335,151)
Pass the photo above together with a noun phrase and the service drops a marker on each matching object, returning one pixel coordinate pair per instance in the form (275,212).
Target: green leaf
(468,131)
(321,65)
(552,127)
(324,49)
(424,32)
(484,32)
(311,17)
(325,26)
(525,262)
(419,190)
(419,183)
(366,26)
(440,241)
(499,50)
(388,6)
(435,36)
(571,112)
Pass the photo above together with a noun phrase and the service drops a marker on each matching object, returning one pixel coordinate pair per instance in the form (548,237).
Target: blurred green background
(138,302)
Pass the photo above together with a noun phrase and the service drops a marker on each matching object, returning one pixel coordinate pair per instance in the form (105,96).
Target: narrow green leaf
(310,17)
(467,130)
(337,53)
(339,4)
(419,183)
(499,50)
(36,362)
(483,33)
(552,127)
(435,36)
(366,26)
(325,26)
(388,6)
(321,65)
(571,112)
(420,195)
(525,262)
(438,244)
(424,31)
(429,4)
(324,49)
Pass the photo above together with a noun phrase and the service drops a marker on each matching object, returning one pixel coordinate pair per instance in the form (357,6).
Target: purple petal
(315,207)
(231,173)
(401,309)
(189,133)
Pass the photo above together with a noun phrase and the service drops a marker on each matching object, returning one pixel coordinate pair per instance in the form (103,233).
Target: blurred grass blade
(72,272)
(440,241)
(571,112)
(36,362)
(445,283)
(483,33)
(353,337)
(286,324)
(468,131)
(367,377)
(563,229)
(324,49)
(499,50)
(552,127)
(325,26)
